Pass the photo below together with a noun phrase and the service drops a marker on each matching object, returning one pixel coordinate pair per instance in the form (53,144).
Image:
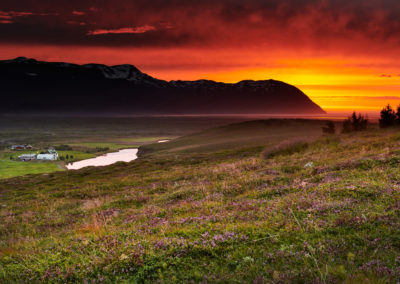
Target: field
(88,137)
(256,202)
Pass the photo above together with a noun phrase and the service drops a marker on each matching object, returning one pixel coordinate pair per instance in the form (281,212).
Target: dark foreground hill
(33,86)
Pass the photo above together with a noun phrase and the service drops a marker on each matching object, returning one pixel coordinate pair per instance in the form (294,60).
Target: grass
(80,151)
(13,168)
(232,215)
(111,146)
(10,169)
(88,136)
(239,135)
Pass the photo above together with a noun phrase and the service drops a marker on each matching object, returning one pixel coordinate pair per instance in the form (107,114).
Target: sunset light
(200,141)
(342,54)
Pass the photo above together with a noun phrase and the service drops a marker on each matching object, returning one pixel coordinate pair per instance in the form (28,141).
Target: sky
(343,54)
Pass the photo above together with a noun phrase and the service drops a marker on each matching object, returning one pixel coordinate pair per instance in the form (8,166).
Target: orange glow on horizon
(336,83)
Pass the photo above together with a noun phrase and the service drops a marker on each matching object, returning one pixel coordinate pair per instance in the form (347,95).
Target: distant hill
(237,136)
(30,86)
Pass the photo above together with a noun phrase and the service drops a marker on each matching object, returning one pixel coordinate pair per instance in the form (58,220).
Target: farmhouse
(27,157)
(51,155)
(17,147)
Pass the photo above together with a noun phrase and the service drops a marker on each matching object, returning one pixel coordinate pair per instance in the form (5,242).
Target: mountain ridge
(29,84)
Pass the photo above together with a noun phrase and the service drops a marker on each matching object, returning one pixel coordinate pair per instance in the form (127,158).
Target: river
(124,155)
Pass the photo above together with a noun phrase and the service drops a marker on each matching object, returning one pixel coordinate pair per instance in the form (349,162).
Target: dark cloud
(264,23)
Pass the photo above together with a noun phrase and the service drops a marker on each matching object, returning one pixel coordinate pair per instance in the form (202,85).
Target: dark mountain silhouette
(32,86)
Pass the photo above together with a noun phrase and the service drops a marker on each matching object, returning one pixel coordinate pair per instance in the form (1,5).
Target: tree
(363,122)
(355,123)
(71,157)
(388,116)
(398,115)
(329,128)
(67,157)
(347,127)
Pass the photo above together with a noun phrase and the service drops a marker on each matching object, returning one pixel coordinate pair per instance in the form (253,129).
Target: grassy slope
(237,136)
(226,217)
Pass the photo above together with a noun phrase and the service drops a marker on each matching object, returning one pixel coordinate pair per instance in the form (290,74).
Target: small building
(51,155)
(27,157)
(17,147)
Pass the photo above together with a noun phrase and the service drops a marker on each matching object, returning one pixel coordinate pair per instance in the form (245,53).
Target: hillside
(326,211)
(30,86)
(247,134)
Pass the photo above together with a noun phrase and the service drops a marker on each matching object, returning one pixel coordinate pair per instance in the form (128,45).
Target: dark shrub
(98,149)
(398,115)
(388,116)
(355,123)
(329,128)
(63,147)
(347,126)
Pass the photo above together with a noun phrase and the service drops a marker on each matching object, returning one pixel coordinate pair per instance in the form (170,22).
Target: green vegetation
(249,134)
(10,168)
(318,210)
(102,145)
(85,137)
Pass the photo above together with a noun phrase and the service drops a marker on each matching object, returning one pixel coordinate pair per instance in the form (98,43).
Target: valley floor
(320,211)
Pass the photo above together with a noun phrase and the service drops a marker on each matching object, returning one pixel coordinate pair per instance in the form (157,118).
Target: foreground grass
(325,212)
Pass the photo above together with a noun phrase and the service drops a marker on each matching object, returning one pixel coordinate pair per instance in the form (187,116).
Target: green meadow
(266,201)
(87,136)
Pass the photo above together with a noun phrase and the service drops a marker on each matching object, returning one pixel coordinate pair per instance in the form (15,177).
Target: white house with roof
(51,155)
(27,157)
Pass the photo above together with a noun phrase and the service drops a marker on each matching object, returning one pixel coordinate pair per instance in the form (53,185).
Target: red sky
(343,54)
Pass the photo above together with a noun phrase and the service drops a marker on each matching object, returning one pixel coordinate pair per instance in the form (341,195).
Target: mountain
(32,86)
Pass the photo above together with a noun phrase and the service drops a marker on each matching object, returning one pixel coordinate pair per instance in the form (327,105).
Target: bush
(398,115)
(388,116)
(329,128)
(347,127)
(63,147)
(98,150)
(355,123)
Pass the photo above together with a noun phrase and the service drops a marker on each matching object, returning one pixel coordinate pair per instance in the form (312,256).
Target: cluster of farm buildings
(49,155)
(21,147)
